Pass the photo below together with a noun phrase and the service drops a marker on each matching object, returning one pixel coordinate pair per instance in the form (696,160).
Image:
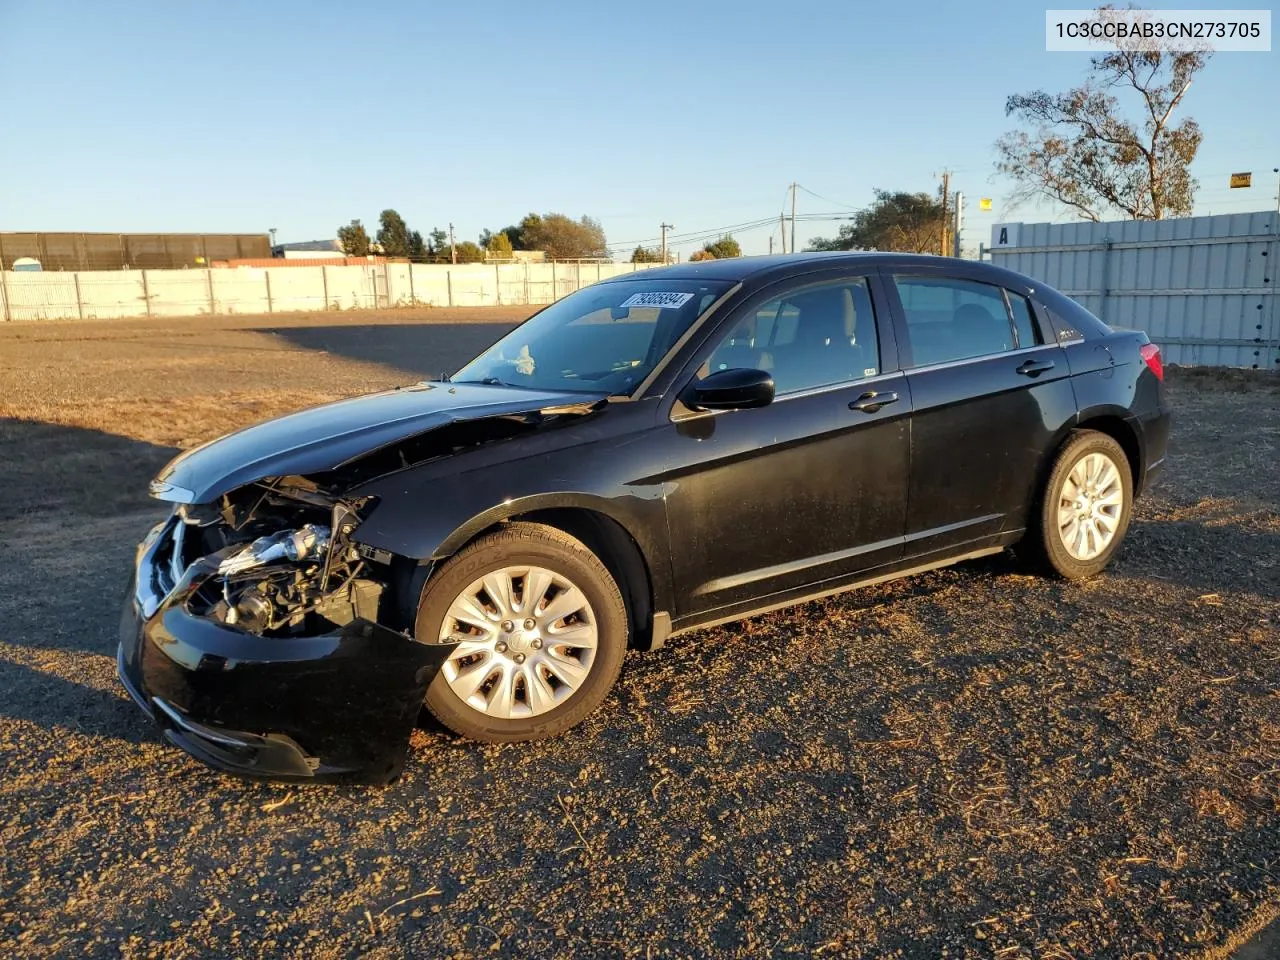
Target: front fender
(432,519)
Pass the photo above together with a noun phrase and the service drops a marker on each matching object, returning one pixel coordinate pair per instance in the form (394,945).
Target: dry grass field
(971,763)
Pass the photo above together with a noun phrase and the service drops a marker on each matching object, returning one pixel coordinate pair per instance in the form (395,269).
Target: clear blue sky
(240,116)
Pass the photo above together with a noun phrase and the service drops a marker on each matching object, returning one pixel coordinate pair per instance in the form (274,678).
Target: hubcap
(526,640)
(1089,506)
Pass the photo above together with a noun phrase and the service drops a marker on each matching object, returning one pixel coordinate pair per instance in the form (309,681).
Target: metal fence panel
(1201,287)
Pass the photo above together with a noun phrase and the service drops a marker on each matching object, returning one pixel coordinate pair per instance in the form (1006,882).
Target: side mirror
(736,389)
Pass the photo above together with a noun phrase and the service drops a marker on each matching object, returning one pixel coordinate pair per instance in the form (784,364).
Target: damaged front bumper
(338,705)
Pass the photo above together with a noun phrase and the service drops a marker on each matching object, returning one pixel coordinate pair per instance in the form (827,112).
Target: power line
(711,233)
(827,199)
(794,184)
(718,232)
(679,237)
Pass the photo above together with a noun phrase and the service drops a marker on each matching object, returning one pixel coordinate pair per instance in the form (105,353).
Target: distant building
(521,256)
(128,251)
(308,250)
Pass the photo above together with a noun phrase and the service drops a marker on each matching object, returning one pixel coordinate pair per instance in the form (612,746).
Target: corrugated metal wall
(1201,287)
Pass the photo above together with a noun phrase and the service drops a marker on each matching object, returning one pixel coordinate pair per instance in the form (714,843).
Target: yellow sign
(1241,180)
(984,203)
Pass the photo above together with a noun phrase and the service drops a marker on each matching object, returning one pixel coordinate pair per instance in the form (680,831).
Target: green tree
(354,239)
(724,248)
(417,247)
(1083,152)
(900,222)
(526,233)
(513,235)
(469,252)
(562,237)
(438,245)
(393,234)
(644,254)
(498,244)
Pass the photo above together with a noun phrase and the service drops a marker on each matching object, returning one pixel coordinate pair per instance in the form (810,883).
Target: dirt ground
(971,763)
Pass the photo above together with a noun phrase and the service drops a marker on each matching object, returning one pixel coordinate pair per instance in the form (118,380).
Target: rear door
(990,393)
(811,488)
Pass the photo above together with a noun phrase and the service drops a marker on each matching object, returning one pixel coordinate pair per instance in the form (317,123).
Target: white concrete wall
(243,290)
(188,293)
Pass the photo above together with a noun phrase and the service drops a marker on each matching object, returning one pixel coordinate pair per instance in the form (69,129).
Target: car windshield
(605,338)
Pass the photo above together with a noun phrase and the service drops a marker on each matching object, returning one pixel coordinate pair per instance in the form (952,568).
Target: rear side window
(952,319)
(1069,319)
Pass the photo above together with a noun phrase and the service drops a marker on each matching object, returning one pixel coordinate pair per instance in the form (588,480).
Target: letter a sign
(1004,235)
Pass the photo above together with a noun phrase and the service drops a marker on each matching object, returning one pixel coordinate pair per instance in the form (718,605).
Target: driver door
(811,489)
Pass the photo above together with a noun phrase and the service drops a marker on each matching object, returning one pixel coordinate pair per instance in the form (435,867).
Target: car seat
(823,350)
(978,333)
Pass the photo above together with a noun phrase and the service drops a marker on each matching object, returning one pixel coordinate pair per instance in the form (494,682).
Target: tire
(533,683)
(1047,543)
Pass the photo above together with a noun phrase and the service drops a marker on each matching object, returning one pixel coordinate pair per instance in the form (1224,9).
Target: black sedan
(655,453)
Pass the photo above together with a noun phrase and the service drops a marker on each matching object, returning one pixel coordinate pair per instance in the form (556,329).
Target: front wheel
(541,631)
(1085,506)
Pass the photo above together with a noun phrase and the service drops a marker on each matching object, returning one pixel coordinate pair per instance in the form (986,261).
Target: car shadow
(50,702)
(73,509)
(1208,558)
(73,471)
(424,350)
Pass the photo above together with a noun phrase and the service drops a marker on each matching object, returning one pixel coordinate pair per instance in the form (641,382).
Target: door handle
(871,402)
(1033,368)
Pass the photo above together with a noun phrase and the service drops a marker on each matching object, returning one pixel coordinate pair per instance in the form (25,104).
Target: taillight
(1151,354)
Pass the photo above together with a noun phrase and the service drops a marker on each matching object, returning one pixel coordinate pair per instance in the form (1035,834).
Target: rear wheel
(541,631)
(1084,509)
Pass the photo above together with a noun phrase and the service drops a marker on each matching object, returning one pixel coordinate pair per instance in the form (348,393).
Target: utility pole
(771,244)
(793,216)
(453,251)
(946,195)
(955,244)
(782,229)
(665,227)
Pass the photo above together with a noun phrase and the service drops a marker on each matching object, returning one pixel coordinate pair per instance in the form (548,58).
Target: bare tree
(1082,151)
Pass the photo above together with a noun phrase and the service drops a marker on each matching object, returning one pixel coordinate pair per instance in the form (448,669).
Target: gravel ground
(970,763)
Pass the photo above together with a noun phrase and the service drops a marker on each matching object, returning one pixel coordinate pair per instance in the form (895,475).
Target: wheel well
(1112,426)
(1123,434)
(609,541)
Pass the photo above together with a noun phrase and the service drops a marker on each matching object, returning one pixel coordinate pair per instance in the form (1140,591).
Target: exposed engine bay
(285,562)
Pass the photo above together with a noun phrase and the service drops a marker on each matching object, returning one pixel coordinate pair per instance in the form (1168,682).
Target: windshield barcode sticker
(671,301)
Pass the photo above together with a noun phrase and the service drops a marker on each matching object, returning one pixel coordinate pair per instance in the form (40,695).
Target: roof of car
(766,268)
(740,268)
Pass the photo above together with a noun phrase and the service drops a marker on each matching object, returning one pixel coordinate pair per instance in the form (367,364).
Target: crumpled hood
(325,437)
